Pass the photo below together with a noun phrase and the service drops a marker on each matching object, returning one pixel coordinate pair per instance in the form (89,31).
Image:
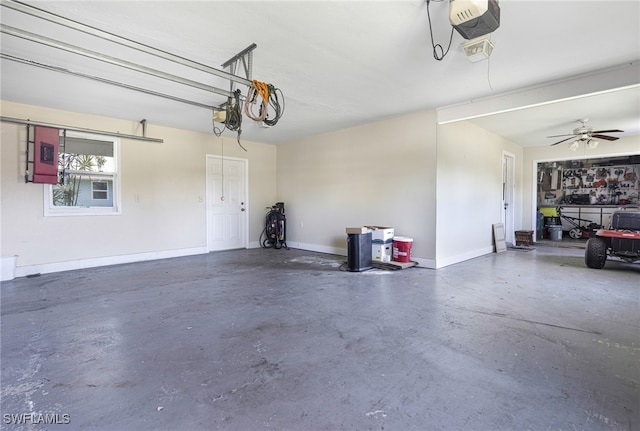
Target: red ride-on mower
(621,240)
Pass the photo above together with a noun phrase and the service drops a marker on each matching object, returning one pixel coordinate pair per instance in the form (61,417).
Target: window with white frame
(88,177)
(99,190)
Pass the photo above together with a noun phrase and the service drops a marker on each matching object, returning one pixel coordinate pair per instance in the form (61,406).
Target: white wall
(383,173)
(532,155)
(440,185)
(162,184)
(470,190)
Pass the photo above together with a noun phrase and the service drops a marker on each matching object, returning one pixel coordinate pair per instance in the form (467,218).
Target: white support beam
(601,81)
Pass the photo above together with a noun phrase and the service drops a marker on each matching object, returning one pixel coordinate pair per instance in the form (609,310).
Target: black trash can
(358,252)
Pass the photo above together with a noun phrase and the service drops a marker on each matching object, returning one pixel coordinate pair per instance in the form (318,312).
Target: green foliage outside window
(73,169)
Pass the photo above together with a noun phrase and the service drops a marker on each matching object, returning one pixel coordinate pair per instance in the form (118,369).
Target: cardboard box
(381,252)
(381,234)
(357,230)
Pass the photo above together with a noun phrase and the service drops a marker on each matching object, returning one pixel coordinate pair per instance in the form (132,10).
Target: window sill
(79,211)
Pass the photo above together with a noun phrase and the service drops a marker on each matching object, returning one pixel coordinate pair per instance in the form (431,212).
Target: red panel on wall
(45,168)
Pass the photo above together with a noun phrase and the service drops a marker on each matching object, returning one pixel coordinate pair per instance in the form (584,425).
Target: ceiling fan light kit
(586,134)
(591,143)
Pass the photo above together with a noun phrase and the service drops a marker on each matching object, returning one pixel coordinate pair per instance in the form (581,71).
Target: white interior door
(227,209)
(508,184)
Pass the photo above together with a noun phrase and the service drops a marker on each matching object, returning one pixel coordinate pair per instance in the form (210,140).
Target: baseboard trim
(441,263)
(45,268)
(424,263)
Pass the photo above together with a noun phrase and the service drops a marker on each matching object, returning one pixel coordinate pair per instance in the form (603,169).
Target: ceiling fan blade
(559,142)
(608,131)
(560,136)
(608,138)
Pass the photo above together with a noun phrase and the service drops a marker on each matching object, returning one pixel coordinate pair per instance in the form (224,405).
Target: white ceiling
(338,63)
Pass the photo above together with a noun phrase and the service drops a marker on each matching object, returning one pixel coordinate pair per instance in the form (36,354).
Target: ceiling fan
(585,133)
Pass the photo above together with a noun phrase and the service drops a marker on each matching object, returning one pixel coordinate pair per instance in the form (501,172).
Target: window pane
(77,192)
(85,162)
(87,167)
(100,190)
(86,146)
(100,185)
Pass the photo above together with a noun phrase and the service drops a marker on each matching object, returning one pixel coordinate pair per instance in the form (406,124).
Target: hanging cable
(438,51)
(216,130)
(274,102)
(261,89)
(234,112)
(238,140)
(269,95)
(234,115)
(488,70)
(222,169)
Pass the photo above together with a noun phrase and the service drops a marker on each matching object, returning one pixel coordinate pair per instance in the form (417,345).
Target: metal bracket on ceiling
(246,57)
(144,127)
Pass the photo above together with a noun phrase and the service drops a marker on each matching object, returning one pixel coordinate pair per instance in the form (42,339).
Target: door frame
(246,197)
(508,188)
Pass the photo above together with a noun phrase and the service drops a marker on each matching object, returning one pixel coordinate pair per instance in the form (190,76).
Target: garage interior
(136,293)
(582,194)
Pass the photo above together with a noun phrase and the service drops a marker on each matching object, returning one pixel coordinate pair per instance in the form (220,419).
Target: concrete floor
(285,340)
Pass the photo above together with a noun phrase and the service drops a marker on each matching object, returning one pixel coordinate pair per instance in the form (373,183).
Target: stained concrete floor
(285,340)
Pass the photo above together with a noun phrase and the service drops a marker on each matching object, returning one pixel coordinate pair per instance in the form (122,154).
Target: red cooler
(402,248)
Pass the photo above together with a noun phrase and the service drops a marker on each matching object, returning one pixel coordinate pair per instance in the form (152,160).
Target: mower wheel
(575,233)
(595,254)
